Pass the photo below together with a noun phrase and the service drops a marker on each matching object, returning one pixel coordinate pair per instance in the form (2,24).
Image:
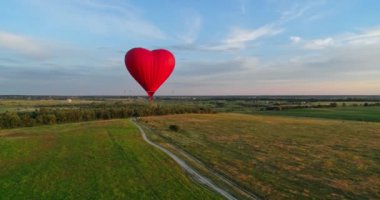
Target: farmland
(281,157)
(371,114)
(356,108)
(314,148)
(24,105)
(91,160)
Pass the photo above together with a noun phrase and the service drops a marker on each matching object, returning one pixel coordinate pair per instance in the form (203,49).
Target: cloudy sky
(224,47)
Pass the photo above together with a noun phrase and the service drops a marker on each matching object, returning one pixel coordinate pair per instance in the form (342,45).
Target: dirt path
(220,177)
(193,173)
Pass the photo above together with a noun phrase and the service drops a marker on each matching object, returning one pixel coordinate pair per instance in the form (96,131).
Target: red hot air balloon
(150,68)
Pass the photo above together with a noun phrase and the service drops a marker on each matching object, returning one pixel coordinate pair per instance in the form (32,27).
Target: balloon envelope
(150,68)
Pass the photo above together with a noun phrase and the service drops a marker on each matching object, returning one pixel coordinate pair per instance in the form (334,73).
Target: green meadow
(313,153)
(24,105)
(92,160)
(360,113)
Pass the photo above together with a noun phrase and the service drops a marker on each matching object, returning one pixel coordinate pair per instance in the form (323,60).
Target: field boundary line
(216,174)
(198,164)
(192,172)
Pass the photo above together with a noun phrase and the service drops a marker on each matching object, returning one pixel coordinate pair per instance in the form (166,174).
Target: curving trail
(197,176)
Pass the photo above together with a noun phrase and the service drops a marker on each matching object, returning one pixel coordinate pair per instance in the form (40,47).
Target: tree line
(49,116)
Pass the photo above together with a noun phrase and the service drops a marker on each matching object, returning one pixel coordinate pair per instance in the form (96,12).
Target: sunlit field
(190,100)
(24,105)
(281,157)
(370,113)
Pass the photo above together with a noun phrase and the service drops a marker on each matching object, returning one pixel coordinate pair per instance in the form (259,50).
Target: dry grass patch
(283,157)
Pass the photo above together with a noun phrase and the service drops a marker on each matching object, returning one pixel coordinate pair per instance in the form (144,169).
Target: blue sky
(227,47)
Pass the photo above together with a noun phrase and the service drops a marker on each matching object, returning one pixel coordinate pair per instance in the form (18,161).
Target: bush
(174,128)
(10,120)
(333,105)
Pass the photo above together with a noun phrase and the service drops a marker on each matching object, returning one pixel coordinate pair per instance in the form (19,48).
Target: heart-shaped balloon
(150,68)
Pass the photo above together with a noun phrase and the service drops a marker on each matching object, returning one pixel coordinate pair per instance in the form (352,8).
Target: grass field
(18,105)
(370,113)
(95,160)
(282,157)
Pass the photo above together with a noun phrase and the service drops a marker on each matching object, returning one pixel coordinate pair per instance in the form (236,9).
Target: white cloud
(368,37)
(119,18)
(320,43)
(347,65)
(238,37)
(363,38)
(317,16)
(304,10)
(24,51)
(295,12)
(295,39)
(23,45)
